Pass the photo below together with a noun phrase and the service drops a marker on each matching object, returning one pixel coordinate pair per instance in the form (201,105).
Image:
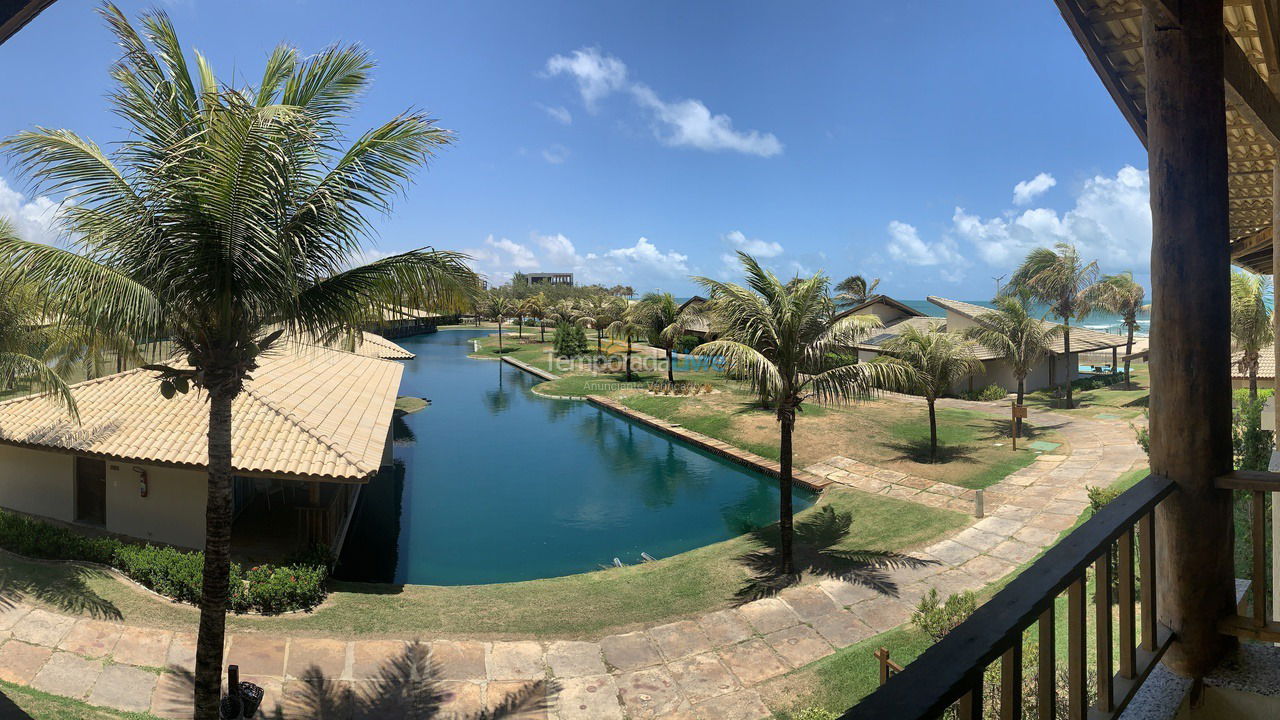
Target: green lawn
(1117,400)
(586,605)
(17,701)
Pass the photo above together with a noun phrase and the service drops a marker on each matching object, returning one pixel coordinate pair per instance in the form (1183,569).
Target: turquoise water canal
(493,483)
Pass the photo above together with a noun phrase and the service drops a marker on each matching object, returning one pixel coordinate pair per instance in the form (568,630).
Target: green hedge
(174,573)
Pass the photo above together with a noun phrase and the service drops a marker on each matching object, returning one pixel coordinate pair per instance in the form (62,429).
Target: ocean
(1106,322)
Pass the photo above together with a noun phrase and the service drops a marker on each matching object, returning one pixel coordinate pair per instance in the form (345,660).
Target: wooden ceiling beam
(1249,93)
(1082,29)
(16,13)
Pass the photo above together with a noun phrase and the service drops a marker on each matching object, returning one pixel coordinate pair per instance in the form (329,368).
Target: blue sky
(927,143)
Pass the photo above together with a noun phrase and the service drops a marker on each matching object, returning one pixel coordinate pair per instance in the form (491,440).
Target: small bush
(174,573)
(570,341)
(936,619)
(992,392)
(686,343)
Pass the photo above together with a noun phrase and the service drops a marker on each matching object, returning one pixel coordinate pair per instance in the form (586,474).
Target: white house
(311,427)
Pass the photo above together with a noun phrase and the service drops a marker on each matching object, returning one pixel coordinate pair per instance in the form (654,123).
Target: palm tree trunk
(628,358)
(542,330)
(520,324)
(499,333)
(217,558)
(1128,350)
(1066,358)
(599,341)
(1022,390)
(933,433)
(786,530)
(671,376)
(1253,381)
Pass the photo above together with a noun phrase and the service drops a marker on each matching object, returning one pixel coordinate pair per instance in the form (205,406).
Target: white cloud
(34,220)
(1028,190)
(597,75)
(688,123)
(679,123)
(1111,221)
(641,265)
(905,245)
(555,154)
(752,246)
(559,113)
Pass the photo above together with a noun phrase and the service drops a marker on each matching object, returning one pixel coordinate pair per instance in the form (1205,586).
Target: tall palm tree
(89,347)
(563,312)
(629,329)
(664,323)
(1251,328)
(598,312)
(780,337)
(1067,284)
(535,306)
(1123,296)
(500,306)
(855,289)
(1023,340)
(225,218)
(934,362)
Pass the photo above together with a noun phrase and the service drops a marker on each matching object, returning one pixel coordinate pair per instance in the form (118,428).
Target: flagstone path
(706,668)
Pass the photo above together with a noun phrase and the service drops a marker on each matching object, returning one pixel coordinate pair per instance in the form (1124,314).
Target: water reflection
(495,483)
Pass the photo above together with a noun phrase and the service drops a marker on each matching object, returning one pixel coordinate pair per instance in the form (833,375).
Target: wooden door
(91,491)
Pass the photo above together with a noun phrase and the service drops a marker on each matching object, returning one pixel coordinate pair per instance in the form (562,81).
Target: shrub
(569,341)
(936,619)
(992,392)
(1252,444)
(174,573)
(686,343)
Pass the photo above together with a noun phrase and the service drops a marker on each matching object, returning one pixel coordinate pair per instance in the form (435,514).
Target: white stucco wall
(42,483)
(37,482)
(172,512)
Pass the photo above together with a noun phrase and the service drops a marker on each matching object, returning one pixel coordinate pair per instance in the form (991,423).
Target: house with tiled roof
(897,316)
(309,429)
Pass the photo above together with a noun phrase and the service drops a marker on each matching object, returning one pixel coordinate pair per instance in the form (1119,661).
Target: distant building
(565,279)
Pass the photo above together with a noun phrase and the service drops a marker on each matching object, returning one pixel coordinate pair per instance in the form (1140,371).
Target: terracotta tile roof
(1082,339)
(370,345)
(924,324)
(308,412)
(882,300)
(1266,364)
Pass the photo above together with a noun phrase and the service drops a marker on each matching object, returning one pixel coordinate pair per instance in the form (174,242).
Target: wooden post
(1190,343)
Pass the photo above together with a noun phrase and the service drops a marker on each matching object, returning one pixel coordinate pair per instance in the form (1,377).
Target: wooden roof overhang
(1110,33)
(16,13)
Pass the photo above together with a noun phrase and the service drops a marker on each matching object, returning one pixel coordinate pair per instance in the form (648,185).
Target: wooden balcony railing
(322,523)
(952,671)
(1256,625)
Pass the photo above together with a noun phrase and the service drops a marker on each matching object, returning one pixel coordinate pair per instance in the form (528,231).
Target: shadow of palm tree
(407,685)
(64,586)
(917,450)
(9,710)
(818,551)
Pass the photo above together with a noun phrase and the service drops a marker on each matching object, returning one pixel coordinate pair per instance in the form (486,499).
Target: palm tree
(563,312)
(25,336)
(225,218)
(598,312)
(535,306)
(781,338)
(82,344)
(1067,284)
(664,323)
(855,289)
(500,306)
(628,328)
(934,362)
(1123,296)
(1251,327)
(1013,332)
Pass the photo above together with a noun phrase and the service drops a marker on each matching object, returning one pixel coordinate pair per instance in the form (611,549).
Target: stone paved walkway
(705,669)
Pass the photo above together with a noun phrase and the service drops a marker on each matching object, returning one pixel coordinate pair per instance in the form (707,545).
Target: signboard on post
(1018,413)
